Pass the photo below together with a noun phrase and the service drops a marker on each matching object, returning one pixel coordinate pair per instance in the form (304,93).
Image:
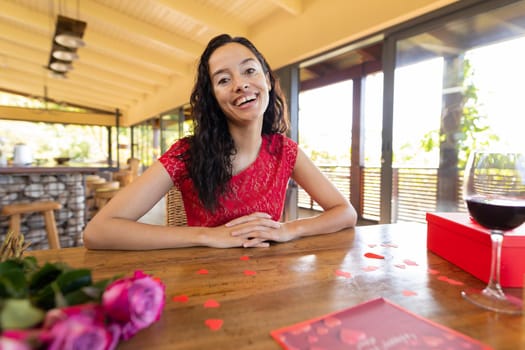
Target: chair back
(175,213)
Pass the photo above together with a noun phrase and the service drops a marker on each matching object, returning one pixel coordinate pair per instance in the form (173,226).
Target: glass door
(456,87)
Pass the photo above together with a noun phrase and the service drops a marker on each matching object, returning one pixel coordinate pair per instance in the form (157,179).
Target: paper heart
(410,262)
(370,268)
(433,272)
(409,293)
(244,257)
(332,322)
(214,324)
(250,272)
(202,272)
(351,336)
(211,303)
(312,339)
(450,281)
(321,330)
(343,273)
(300,329)
(400,266)
(432,341)
(180,298)
(374,256)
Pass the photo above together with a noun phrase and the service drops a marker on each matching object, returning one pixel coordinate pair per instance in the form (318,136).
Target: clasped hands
(249,231)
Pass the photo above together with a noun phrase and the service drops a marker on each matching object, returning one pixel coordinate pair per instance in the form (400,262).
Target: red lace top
(259,188)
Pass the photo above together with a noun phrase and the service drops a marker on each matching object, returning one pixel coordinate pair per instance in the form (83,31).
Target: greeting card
(374,325)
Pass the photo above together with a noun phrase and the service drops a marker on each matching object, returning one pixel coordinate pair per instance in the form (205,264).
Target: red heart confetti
(370,268)
(211,303)
(214,324)
(202,272)
(432,341)
(400,266)
(312,339)
(343,273)
(351,336)
(180,298)
(389,245)
(332,322)
(300,329)
(244,257)
(250,272)
(409,293)
(410,262)
(374,256)
(433,272)
(450,281)
(321,330)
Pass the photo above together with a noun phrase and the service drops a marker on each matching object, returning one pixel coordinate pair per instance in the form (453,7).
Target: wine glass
(494,192)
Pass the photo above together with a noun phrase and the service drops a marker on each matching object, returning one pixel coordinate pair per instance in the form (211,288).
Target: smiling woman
(232,172)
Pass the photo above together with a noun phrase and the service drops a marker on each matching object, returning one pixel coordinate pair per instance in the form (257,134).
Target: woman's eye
(222,81)
(250,71)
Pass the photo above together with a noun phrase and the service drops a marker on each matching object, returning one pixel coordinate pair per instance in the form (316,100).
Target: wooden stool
(45,207)
(103,195)
(92,203)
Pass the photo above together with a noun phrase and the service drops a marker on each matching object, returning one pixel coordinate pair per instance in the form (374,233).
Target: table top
(298,281)
(54,169)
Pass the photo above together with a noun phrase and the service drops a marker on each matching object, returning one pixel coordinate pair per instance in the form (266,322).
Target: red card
(370,324)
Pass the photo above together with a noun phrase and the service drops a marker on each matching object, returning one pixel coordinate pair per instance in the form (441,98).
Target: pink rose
(134,303)
(21,339)
(80,327)
(7,343)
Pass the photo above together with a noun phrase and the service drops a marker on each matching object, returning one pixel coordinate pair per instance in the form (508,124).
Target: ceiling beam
(70,94)
(39,78)
(137,27)
(93,76)
(32,90)
(54,116)
(207,17)
(294,7)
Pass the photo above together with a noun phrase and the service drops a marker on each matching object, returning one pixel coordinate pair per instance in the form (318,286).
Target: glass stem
(493,287)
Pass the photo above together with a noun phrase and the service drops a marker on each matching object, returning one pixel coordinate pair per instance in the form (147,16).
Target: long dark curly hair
(211,147)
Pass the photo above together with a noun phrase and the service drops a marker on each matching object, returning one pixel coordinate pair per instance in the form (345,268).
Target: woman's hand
(257,229)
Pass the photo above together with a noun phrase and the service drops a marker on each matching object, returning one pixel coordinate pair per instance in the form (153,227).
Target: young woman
(232,172)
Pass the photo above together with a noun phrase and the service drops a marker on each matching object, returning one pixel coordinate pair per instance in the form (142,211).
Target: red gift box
(458,239)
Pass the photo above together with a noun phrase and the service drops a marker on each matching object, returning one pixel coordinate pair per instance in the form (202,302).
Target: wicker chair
(175,214)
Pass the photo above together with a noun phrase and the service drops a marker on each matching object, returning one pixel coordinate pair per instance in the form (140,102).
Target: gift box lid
(457,222)
(460,240)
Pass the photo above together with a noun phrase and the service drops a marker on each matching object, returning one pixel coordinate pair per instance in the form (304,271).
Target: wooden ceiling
(140,53)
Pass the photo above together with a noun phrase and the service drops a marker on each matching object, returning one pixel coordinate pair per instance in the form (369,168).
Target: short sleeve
(173,161)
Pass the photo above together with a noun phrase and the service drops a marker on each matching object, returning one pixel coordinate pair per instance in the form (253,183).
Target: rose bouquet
(57,307)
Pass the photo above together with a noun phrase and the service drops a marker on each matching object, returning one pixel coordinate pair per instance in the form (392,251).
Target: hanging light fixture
(66,40)
(64,54)
(70,40)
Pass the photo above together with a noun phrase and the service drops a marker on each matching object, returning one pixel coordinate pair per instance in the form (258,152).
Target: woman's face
(239,83)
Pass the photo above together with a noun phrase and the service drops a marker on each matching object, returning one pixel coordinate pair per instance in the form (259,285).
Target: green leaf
(43,277)
(19,314)
(13,284)
(88,293)
(9,265)
(67,282)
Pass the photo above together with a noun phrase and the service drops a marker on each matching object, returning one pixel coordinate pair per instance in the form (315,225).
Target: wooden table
(297,281)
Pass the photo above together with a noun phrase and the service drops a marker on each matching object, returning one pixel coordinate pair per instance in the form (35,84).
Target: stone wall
(67,189)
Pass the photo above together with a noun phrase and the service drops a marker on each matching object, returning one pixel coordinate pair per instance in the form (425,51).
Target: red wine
(497,214)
